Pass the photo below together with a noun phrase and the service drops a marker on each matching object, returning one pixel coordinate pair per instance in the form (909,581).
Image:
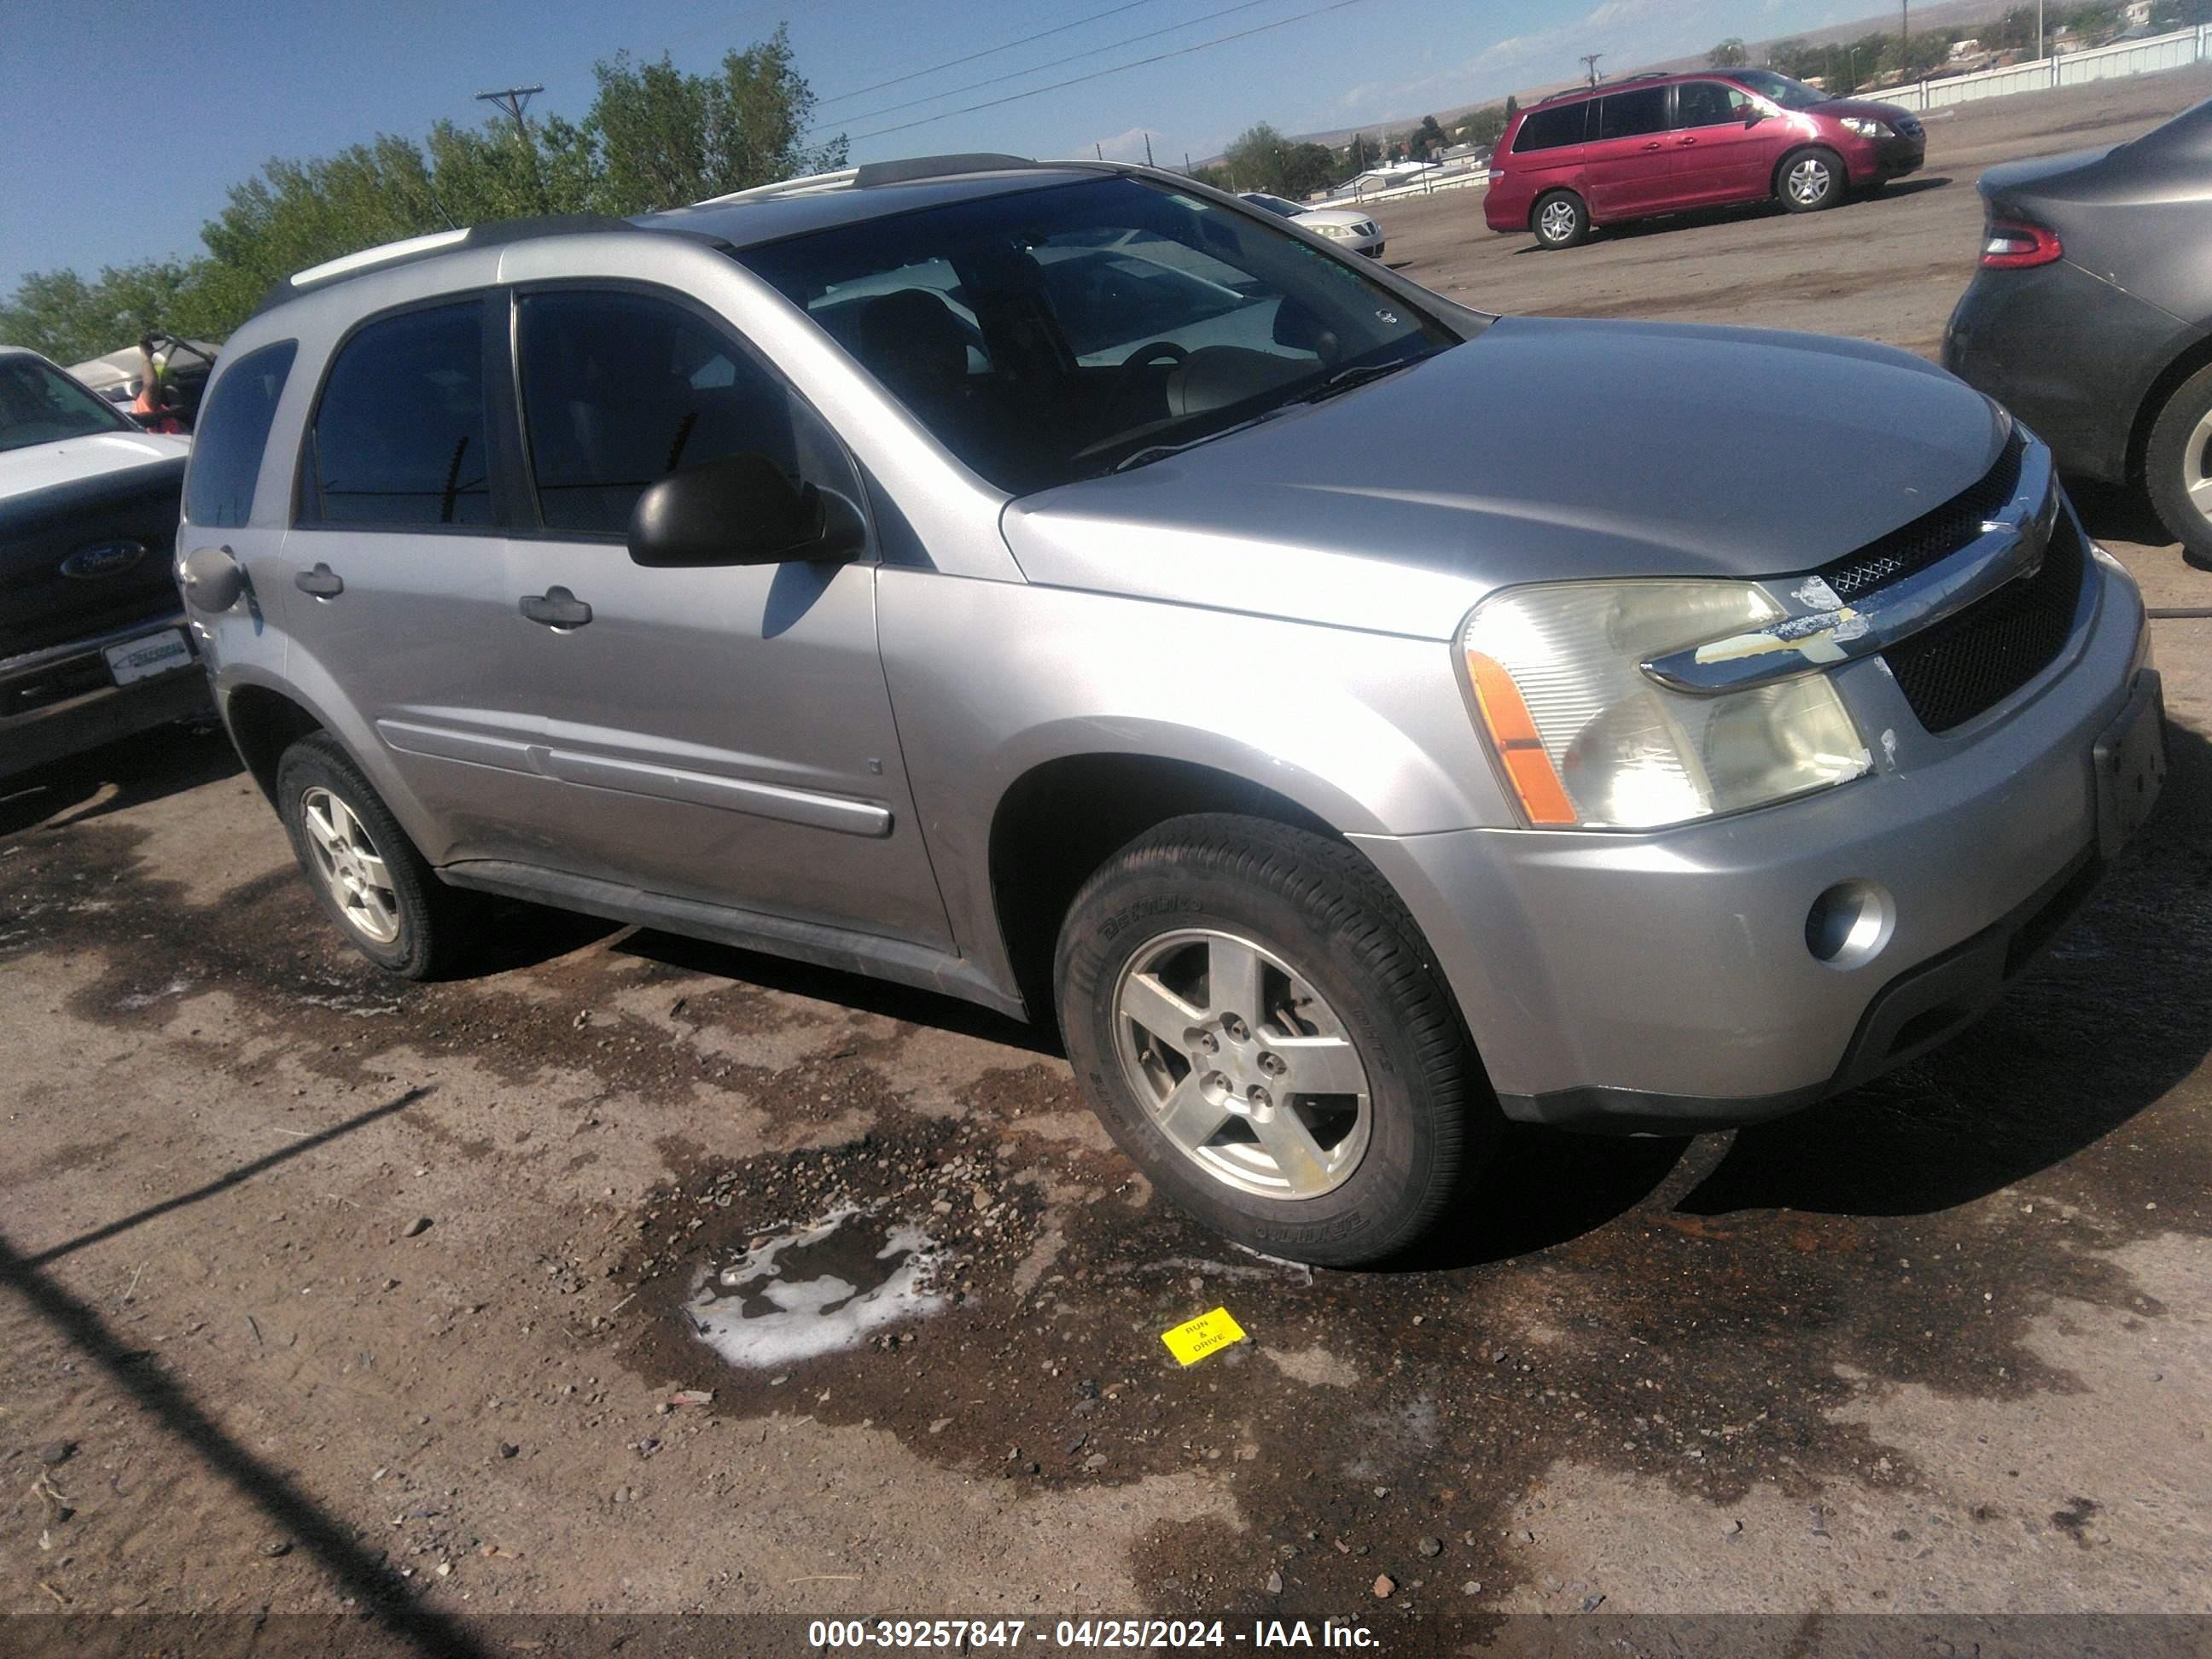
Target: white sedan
(1345,226)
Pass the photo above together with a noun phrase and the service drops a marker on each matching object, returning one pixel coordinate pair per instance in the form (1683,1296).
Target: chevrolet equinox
(1355,720)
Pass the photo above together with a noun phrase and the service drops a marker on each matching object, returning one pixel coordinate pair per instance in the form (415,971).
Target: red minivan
(1661,143)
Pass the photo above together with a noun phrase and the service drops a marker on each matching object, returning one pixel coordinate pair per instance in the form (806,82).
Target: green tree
(653,137)
(1485,126)
(1360,155)
(2097,24)
(1263,159)
(2180,14)
(1730,54)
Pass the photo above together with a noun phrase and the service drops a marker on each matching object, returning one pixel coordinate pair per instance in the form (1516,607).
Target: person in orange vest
(151,408)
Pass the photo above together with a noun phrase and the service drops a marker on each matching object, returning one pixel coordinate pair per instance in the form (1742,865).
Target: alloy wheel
(1242,1065)
(352,870)
(2196,467)
(1809,181)
(1557,221)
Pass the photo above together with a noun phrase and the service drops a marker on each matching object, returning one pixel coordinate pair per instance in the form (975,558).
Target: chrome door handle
(556,607)
(322,581)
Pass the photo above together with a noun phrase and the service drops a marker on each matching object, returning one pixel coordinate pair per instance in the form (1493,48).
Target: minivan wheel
(1560,220)
(1810,180)
(2178,467)
(365,874)
(1255,1020)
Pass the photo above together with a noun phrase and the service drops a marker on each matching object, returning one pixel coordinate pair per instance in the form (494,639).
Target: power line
(1118,69)
(1039,69)
(991,51)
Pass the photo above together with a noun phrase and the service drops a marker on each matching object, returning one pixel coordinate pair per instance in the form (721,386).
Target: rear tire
(2178,467)
(1161,953)
(365,873)
(1560,220)
(1810,180)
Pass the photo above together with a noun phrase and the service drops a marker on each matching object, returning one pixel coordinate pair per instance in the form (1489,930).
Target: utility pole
(514,101)
(1589,65)
(1100,148)
(2038,28)
(1905,40)
(1148,149)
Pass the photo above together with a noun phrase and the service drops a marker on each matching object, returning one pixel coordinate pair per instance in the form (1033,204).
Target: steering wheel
(1145,356)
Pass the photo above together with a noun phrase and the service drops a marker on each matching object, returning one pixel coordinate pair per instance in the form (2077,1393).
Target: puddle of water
(817,1288)
(175,988)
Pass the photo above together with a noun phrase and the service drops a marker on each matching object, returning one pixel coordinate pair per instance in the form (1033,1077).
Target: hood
(1539,450)
(39,466)
(1897,115)
(1332,216)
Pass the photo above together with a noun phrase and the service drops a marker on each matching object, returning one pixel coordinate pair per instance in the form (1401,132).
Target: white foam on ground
(807,1317)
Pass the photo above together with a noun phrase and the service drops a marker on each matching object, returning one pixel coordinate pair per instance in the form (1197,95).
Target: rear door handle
(322,581)
(556,607)
(1653,144)
(1678,142)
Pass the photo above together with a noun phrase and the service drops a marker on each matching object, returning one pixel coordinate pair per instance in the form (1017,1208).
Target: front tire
(1256,1021)
(2178,467)
(365,872)
(1560,220)
(1810,180)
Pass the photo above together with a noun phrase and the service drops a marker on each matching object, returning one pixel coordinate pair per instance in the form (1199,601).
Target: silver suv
(1359,721)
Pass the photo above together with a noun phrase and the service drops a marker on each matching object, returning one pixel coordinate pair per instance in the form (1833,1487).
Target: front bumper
(64,700)
(1663,982)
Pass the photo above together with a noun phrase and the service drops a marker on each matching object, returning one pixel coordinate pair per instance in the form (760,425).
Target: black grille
(1932,535)
(1973,661)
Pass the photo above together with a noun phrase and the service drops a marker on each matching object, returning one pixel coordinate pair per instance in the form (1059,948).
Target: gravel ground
(325,1292)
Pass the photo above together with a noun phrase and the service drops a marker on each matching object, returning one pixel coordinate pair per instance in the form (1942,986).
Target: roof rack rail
(811,184)
(1569,92)
(414,249)
(872,175)
(1646,74)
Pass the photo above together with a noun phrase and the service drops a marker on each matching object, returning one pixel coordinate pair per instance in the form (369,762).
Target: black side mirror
(738,509)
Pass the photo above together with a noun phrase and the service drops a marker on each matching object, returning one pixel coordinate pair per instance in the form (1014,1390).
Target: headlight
(1336,233)
(1590,741)
(1867,127)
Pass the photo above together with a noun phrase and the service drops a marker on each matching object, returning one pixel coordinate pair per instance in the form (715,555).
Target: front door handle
(1681,142)
(322,581)
(1653,144)
(556,607)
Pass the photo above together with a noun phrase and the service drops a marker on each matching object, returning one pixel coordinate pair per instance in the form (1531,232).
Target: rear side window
(399,437)
(1632,114)
(621,389)
(232,433)
(1551,129)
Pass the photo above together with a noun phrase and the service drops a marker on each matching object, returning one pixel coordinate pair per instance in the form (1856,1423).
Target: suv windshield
(1780,88)
(39,404)
(1053,334)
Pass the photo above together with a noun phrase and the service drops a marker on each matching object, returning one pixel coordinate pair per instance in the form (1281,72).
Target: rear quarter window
(231,434)
(1552,128)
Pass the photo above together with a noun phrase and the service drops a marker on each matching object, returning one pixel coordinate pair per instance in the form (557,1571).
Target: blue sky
(85,180)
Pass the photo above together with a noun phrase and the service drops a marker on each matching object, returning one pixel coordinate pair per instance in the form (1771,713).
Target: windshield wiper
(1344,379)
(1151,452)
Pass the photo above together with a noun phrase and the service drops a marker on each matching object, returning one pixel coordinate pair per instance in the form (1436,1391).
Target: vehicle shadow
(874,996)
(2103,1028)
(1670,224)
(130,771)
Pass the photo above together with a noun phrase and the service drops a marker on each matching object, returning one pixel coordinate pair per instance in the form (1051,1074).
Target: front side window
(1779,89)
(620,389)
(1709,104)
(1552,128)
(233,431)
(1632,114)
(39,404)
(1057,333)
(399,438)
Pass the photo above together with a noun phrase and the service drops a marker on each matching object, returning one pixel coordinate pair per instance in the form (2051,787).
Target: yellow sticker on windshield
(1195,1338)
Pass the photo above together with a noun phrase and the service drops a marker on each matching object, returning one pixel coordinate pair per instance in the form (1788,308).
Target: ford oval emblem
(98,559)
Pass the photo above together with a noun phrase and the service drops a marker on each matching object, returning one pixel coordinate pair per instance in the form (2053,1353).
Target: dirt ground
(326,1293)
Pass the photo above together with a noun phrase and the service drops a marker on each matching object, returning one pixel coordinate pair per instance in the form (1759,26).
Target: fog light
(1850,923)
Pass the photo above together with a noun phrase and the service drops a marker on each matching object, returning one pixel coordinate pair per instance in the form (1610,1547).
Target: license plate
(157,654)
(2130,765)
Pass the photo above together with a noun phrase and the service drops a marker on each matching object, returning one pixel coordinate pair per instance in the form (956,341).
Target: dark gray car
(1355,719)
(2091,315)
